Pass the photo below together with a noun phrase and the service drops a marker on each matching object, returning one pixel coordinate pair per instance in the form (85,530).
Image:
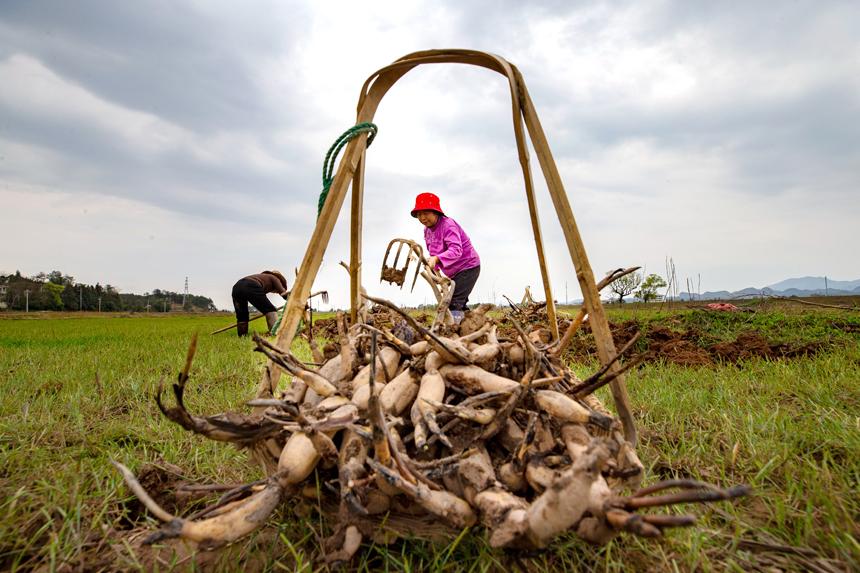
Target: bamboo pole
(321,235)
(355,233)
(599,323)
(523,154)
(313,258)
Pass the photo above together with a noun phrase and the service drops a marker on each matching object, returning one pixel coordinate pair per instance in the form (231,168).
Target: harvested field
(786,426)
(414,432)
(705,337)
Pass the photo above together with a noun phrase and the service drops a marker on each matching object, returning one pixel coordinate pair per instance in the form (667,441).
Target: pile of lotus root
(409,429)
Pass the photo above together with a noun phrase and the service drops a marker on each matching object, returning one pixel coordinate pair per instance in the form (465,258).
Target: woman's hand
(433,261)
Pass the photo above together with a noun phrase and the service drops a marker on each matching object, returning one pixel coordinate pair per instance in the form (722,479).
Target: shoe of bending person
(242,329)
(458,316)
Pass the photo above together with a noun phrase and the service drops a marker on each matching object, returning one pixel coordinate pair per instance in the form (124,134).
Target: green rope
(328,175)
(278,322)
(334,150)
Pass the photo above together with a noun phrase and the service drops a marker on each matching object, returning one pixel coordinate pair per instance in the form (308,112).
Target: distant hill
(803,286)
(753,292)
(788,287)
(814,284)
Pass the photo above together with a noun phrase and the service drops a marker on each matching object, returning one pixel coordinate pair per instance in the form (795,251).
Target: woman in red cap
(450,250)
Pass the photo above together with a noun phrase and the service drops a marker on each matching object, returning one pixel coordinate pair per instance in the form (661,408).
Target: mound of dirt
(378,316)
(688,346)
(752,344)
(691,346)
(747,345)
(672,346)
(325,328)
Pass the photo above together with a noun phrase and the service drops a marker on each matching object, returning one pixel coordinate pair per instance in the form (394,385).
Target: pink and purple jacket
(448,241)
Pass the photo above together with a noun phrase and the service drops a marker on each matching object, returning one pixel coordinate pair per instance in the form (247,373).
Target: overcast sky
(143,142)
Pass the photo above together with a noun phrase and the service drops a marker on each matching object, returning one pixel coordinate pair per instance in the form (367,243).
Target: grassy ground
(77,392)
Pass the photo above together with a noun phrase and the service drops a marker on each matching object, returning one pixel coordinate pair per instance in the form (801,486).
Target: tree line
(59,291)
(644,288)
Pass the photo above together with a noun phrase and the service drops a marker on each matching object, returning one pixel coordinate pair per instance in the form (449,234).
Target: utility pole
(185,294)
(81,300)
(494,289)
(100,304)
(164,306)
(27,300)
(826,290)
(565,293)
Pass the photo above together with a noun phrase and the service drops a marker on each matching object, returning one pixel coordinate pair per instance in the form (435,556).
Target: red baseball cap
(427,202)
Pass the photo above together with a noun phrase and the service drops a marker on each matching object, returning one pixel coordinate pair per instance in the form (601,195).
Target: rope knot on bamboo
(335,149)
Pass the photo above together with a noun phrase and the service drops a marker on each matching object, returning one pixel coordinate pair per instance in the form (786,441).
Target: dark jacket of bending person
(253,289)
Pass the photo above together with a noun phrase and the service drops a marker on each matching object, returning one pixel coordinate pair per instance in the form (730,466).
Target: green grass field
(78,392)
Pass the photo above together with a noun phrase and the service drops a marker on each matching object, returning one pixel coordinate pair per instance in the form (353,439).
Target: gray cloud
(192,66)
(193,70)
(220,113)
(776,137)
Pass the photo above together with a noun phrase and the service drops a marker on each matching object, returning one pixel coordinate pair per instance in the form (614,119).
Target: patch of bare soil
(845,326)
(326,328)
(379,316)
(161,480)
(747,345)
(127,551)
(752,344)
(692,347)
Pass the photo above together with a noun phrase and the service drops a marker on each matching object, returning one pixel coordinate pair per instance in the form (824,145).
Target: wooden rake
(443,287)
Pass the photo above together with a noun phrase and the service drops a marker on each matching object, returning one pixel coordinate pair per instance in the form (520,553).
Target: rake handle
(322,294)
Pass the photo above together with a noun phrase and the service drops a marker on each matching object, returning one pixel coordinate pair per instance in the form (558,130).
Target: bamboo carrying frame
(352,167)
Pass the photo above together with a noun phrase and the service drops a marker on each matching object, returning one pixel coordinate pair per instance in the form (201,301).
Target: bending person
(450,249)
(253,289)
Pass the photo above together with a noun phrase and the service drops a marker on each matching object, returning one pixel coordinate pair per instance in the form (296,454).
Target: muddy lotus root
(418,431)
